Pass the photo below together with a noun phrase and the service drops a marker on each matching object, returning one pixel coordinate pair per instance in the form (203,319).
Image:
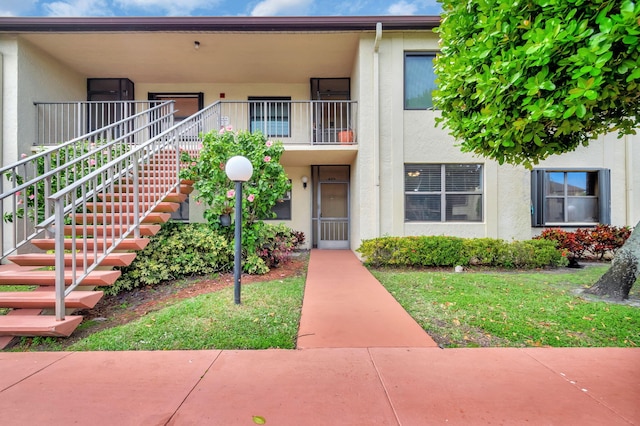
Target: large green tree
(522,80)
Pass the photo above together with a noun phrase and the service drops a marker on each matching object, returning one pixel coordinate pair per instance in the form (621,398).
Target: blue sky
(217,7)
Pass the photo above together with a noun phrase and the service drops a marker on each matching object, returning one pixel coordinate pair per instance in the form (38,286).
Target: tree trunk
(625,267)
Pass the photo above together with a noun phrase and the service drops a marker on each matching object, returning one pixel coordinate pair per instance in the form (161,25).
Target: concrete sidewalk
(365,382)
(346,307)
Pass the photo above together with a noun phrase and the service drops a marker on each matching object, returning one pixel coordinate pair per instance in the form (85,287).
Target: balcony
(294,122)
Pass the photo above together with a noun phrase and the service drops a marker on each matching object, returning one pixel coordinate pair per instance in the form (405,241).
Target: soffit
(227,57)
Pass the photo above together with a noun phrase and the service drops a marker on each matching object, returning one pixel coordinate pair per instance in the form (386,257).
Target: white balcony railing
(58,122)
(294,122)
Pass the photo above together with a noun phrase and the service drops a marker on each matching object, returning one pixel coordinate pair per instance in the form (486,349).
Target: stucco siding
(42,78)
(232,91)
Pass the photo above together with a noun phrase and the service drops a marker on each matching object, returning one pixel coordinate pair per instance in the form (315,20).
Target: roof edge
(258,24)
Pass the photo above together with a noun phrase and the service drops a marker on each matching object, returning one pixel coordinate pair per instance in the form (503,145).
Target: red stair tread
(121,218)
(126,244)
(46,259)
(38,325)
(174,197)
(125,207)
(47,299)
(184,188)
(48,278)
(146,230)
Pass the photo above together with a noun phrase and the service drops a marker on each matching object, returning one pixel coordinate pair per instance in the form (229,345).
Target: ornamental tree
(522,80)
(267,185)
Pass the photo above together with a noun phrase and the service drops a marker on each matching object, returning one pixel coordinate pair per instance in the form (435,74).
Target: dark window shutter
(604,189)
(537,197)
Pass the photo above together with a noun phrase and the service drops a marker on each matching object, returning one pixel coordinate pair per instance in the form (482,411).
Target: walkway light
(238,169)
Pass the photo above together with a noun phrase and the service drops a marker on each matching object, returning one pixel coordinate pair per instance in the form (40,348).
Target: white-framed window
(443,192)
(419,80)
(570,197)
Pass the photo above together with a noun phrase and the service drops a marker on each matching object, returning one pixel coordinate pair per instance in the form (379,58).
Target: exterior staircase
(28,316)
(89,227)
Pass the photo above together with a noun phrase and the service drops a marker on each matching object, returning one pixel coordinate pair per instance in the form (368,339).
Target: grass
(267,318)
(512,309)
(3,311)
(469,309)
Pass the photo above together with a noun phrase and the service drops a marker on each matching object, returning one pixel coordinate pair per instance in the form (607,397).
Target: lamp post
(238,169)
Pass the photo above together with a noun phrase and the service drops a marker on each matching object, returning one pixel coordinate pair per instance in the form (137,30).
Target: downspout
(628,173)
(376,128)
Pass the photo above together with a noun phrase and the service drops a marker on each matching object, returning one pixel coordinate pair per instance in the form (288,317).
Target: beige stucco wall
(42,78)
(233,92)
(412,137)
(617,155)
(300,204)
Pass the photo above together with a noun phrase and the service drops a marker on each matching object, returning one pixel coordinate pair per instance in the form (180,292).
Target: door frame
(317,222)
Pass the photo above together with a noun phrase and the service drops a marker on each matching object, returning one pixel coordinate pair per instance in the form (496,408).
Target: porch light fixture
(238,169)
(304,181)
(196,45)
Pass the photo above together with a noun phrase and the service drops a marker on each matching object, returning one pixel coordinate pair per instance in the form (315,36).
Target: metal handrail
(108,222)
(72,159)
(62,121)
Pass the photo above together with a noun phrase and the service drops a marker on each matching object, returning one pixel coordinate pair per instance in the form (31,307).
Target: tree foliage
(267,185)
(521,80)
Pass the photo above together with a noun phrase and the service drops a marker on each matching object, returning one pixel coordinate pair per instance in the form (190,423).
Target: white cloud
(77,8)
(169,7)
(282,7)
(17,7)
(402,8)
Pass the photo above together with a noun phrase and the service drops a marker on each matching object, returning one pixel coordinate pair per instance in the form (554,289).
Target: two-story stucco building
(350,97)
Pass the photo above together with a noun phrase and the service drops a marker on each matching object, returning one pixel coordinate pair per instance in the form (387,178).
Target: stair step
(122,218)
(38,325)
(174,197)
(184,188)
(125,207)
(48,278)
(90,244)
(47,299)
(101,230)
(166,171)
(46,259)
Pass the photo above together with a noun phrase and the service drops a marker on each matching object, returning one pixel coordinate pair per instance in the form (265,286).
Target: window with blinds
(443,192)
(570,197)
(419,80)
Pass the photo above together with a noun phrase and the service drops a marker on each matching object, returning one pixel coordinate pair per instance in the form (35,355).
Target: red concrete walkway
(346,307)
(367,385)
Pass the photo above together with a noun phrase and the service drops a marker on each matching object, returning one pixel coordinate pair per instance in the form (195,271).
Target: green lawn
(267,318)
(513,309)
(470,309)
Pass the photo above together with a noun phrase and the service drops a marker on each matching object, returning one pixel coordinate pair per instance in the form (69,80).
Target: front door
(332,208)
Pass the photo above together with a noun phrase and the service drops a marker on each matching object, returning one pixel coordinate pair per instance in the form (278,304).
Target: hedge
(444,251)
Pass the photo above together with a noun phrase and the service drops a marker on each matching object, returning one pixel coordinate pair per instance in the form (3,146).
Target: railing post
(136,197)
(59,261)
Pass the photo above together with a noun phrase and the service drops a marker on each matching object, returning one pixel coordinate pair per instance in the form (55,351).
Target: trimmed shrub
(587,242)
(451,251)
(274,246)
(178,250)
(412,251)
(185,249)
